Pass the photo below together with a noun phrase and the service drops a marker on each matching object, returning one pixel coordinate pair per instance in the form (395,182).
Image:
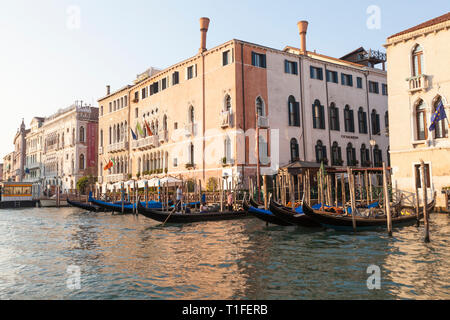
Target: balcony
(146,143)
(226,162)
(113,178)
(418,83)
(225,119)
(263,122)
(117,147)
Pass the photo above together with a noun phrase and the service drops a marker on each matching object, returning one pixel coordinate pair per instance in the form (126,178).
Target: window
(110,135)
(375,118)
(144,93)
(386,120)
(290,67)
(294,150)
(384,89)
(227,103)
(421,121)
(81,134)
(346,79)
(336,158)
(226,58)
(294,112)
(334,117)
(136,113)
(115,105)
(191,114)
(377,157)
(321,152)
(175,78)
(362,121)
(419,176)
(101,138)
(365,161)
(349,119)
(175,126)
(82,162)
(373,87)
(359,83)
(259,60)
(318,115)
(154,88)
(163,84)
(316,73)
(417,61)
(260,107)
(191,72)
(441,127)
(227,149)
(351,155)
(175,162)
(110,107)
(191,153)
(332,76)
(136,96)
(125,100)
(101,110)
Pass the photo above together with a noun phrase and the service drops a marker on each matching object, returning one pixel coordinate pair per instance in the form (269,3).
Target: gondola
(117,206)
(293,217)
(85,206)
(176,217)
(264,215)
(345,222)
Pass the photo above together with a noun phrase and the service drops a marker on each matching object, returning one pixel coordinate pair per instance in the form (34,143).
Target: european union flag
(438,116)
(133,134)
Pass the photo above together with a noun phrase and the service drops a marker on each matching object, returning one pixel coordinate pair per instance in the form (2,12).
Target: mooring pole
(352,196)
(425,201)
(417,200)
(122,191)
(387,202)
(265,192)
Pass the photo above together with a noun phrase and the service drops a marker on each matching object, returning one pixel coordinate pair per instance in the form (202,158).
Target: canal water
(129,257)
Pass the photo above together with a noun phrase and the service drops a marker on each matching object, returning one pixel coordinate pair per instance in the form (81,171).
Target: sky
(54,52)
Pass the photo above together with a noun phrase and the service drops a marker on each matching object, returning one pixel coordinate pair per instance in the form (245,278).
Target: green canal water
(129,257)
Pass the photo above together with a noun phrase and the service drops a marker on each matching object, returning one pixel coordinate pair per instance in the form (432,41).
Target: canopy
(170,181)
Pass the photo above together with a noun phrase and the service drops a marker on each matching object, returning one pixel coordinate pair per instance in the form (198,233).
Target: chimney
(108,90)
(302,29)
(204,25)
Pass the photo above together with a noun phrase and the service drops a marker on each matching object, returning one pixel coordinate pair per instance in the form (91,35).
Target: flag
(139,129)
(133,134)
(108,165)
(150,133)
(438,116)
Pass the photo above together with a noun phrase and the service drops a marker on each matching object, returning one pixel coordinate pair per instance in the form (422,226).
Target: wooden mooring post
(425,201)
(265,192)
(387,202)
(122,191)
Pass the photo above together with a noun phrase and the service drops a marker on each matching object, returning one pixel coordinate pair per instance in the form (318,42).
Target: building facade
(69,142)
(419,81)
(198,118)
(8,167)
(34,155)
(19,155)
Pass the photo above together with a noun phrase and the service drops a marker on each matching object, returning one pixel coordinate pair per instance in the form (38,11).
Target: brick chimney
(204,25)
(302,29)
(108,90)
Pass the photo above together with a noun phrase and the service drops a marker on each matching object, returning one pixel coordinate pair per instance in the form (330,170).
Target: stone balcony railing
(418,83)
(225,119)
(146,143)
(117,147)
(263,122)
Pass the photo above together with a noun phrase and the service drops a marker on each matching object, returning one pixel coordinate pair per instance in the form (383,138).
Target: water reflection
(129,257)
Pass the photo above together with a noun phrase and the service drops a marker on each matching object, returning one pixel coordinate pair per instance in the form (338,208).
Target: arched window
(294,112)
(318,115)
(441,128)
(362,120)
(336,157)
(294,150)
(334,117)
(260,110)
(349,119)
(365,161)
(101,138)
(417,61)
(227,104)
(351,155)
(165,123)
(110,135)
(118,133)
(81,134)
(321,152)
(375,118)
(377,157)
(191,114)
(191,153)
(421,121)
(81,164)
(227,149)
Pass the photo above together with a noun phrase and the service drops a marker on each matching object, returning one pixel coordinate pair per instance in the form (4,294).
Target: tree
(82,183)
(212,184)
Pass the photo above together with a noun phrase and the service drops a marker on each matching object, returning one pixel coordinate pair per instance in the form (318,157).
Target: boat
(177,217)
(117,206)
(406,216)
(296,217)
(86,206)
(262,214)
(17,195)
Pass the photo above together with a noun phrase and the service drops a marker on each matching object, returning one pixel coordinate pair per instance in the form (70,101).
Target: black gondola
(336,221)
(85,206)
(176,217)
(264,215)
(292,217)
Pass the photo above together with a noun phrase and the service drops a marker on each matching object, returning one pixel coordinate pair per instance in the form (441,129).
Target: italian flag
(109,165)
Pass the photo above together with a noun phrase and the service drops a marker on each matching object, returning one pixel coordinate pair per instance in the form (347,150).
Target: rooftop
(426,24)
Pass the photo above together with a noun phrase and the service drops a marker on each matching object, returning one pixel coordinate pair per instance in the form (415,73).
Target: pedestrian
(179,198)
(230,201)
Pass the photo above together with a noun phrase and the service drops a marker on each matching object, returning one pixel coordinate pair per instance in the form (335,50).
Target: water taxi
(16,195)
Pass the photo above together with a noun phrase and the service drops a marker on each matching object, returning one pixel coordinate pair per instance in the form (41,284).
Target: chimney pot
(204,25)
(108,90)
(302,29)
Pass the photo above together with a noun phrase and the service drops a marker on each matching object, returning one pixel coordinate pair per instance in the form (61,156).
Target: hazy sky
(54,52)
